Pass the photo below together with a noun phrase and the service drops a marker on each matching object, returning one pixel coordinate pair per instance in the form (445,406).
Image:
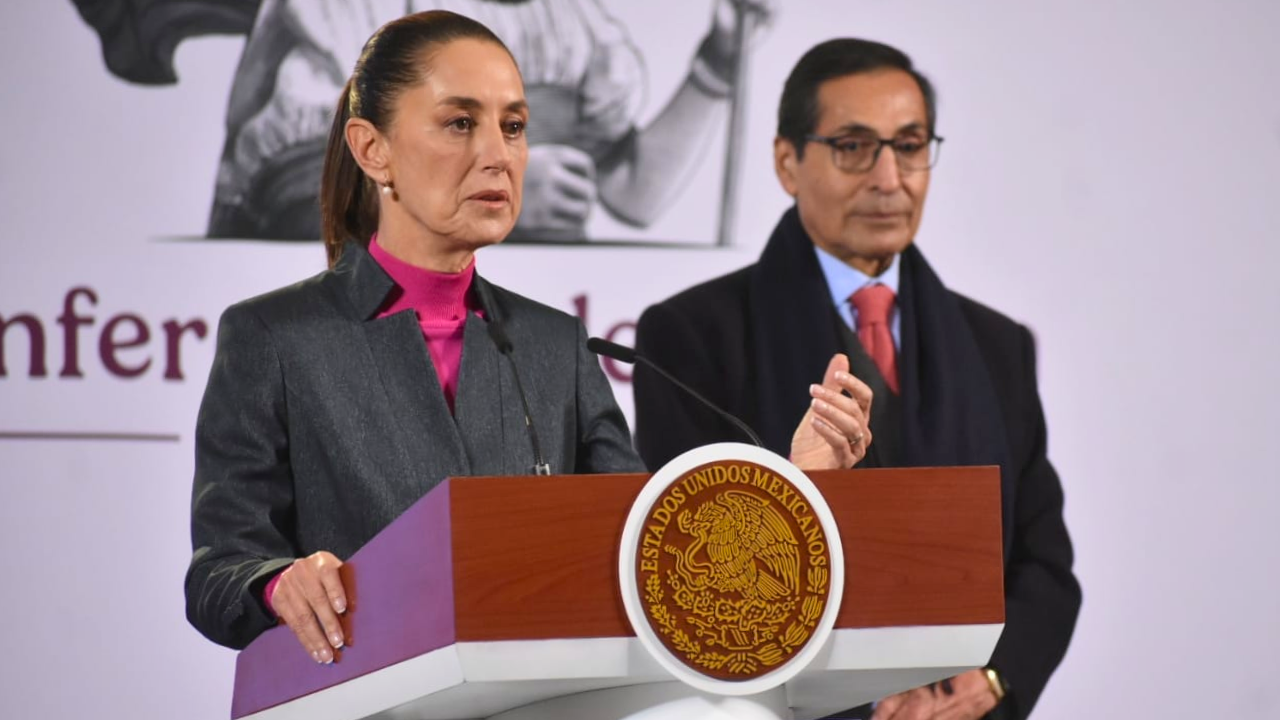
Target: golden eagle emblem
(734,569)
(737,530)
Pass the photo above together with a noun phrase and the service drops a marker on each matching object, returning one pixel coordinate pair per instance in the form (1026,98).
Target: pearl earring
(386,190)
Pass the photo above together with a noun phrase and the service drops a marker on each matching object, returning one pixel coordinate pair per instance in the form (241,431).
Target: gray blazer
(321,424)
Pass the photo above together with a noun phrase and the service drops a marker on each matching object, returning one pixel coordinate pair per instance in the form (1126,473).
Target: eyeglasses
(857,153)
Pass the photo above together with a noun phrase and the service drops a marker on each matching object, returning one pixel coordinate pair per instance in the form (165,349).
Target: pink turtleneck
(441,302)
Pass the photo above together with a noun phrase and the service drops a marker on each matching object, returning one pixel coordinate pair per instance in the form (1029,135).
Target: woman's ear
(369,148)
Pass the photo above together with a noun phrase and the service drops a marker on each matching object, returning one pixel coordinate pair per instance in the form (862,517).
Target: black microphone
(628,355)
(498,334)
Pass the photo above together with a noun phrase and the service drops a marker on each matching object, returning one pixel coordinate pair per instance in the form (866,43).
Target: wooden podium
(498,593)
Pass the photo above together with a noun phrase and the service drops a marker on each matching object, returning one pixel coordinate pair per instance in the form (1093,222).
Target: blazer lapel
(414,399)
(429,445)
(480,410)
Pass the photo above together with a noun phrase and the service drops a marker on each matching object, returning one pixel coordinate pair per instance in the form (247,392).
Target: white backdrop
(1109,177)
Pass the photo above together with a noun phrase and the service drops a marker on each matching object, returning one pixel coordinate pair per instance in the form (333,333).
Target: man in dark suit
(954,382)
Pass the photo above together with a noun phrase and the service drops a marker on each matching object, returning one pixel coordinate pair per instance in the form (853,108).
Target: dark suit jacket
(321,424)
(752,341)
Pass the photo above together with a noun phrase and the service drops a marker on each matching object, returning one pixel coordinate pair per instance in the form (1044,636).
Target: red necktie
(873,303)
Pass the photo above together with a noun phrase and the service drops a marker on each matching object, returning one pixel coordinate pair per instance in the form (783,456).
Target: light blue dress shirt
(844,281)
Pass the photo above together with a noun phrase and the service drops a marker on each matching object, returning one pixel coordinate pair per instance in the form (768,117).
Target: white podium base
(655,701)
(616,678)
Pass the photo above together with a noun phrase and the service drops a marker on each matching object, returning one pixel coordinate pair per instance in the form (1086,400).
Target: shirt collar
(844,280)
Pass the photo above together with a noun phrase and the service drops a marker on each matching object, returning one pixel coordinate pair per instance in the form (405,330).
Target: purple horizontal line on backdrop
(89,436)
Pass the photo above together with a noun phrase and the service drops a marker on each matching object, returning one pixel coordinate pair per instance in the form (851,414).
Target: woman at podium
(335,403)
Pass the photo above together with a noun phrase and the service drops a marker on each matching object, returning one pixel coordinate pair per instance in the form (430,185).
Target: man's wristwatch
(999,687)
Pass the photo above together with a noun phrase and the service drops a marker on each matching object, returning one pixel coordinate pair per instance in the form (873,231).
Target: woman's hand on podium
(309,597)
(835,433)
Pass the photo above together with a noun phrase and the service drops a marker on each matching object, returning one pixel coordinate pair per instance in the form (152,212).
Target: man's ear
(784,164)
(369,148)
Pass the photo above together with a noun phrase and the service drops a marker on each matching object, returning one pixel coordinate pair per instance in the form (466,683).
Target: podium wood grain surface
(919,550)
